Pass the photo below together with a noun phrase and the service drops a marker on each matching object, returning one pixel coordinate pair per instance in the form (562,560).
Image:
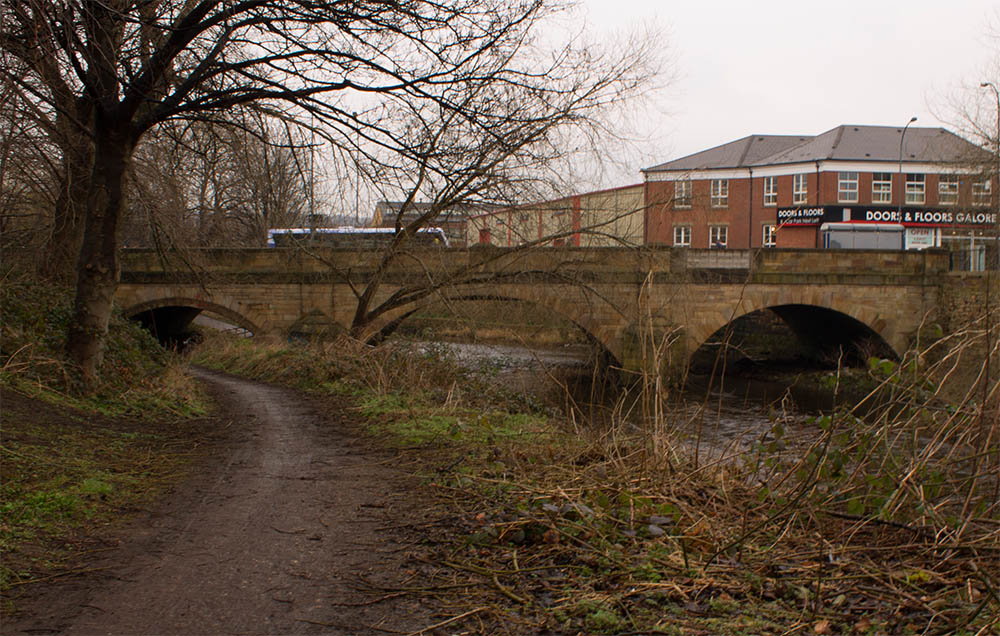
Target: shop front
(970,235)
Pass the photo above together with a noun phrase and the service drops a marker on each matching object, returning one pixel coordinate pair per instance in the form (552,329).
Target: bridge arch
(820,318)
(222,307)
(594,329)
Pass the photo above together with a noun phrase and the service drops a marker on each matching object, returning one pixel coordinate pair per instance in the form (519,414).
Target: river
(718,420)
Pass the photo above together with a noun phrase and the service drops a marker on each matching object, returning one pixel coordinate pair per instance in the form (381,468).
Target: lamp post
(996,153)
(989,283)
(902,184)
(357,185)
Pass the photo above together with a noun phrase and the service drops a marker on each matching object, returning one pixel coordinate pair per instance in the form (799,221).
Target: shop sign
(800,216)
(919,238)
(936,218)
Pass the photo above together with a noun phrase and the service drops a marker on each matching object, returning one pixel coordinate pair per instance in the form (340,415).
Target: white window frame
(682,194)
(682,236)
(948,189)
(916,189)
(770,191)
(769,235)
(847,187)
(881,187)
(800,189)
(720,193)
(981,192)
(718,236)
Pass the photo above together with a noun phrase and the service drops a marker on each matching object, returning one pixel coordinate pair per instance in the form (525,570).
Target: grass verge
(72,464)
(68,476)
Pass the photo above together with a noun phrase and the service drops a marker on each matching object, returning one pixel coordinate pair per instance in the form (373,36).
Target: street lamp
(989,269)
(902,184)
(996,149)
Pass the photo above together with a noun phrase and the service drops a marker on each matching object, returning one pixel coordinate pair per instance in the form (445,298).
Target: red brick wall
(747,231)
(658,196)
(829,183)
(662,215)
(798,236)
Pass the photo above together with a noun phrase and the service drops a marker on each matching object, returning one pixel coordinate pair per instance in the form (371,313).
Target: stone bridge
(645,306)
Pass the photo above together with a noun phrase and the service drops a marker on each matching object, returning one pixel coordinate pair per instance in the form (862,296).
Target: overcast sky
(800,67)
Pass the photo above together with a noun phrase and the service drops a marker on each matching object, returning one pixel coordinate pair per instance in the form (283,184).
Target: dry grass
(885,521)
(138,377)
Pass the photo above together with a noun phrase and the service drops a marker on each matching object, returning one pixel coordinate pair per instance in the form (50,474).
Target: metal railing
(976,259)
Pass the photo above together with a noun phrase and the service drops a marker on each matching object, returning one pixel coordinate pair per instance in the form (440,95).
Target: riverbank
(73,464)
(548,524)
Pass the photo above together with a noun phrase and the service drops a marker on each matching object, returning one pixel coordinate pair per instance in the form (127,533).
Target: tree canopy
(455,101)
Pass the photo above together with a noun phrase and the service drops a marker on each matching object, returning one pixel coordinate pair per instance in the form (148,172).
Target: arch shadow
(824,337)
(169,318)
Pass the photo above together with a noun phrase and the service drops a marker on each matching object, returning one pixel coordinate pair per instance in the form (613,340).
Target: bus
(353,237)
(863,236)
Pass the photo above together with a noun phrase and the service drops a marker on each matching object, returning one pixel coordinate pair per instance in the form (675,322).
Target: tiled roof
(844,143)
(881,143)
(735,154)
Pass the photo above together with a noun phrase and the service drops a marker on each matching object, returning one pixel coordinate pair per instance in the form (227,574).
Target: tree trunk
(67,221)
(59,261)
(98,267)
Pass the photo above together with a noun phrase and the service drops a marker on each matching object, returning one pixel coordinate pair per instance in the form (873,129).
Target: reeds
(887,511)
(879,517)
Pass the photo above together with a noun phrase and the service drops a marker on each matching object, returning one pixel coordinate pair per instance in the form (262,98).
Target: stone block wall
(685,295)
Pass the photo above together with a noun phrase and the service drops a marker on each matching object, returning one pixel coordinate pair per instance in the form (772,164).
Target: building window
(682,194)
(948,189)
(682,235)
(881,187)
(915,189)
(981,192)
(718,236)
(720,193)
(769,237)
(847,187)
(770,190)
(800,189)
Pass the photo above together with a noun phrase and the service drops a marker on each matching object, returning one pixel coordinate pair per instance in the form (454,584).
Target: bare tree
(42,98)
(271,179)
(973,107)
(118,69)
(217,183)
(26,192)
(503,140)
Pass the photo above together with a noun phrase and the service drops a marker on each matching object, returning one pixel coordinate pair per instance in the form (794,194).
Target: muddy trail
(293,526)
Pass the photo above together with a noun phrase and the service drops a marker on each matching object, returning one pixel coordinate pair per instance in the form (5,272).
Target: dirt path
(280,535)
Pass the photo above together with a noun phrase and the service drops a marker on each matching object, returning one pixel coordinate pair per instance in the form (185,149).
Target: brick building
(604,218)
(779,190)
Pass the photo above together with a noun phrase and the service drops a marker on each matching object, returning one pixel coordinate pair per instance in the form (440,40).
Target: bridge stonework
(648,307)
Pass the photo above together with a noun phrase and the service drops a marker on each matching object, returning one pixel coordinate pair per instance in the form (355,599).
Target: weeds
(882,518)
(69,463)
(139,378)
